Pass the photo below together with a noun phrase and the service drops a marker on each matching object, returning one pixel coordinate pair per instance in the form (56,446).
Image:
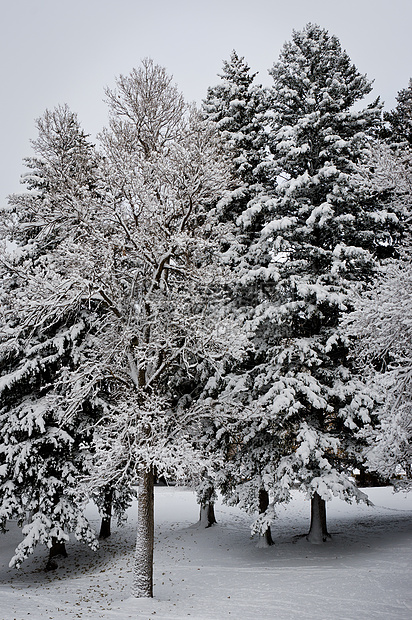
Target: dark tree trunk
(263,506)
(105,526)
(57,548)
(207,507)
(143,560)
(318,532)
(207,514)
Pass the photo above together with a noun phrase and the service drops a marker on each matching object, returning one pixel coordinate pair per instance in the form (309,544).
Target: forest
(216,296)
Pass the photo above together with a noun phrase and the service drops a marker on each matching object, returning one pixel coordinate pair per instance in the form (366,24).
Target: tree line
(217,296)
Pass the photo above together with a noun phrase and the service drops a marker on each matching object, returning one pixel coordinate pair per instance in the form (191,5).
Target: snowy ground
(364,572)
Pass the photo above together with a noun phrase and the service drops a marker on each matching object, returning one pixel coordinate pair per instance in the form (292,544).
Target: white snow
(364,572)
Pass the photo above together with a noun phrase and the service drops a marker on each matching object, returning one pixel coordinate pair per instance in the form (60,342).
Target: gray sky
(66,51)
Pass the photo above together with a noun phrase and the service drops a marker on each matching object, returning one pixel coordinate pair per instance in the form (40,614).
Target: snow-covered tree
(137,255)
(312,239)
(382,327)
(155,270)
(238,108)
(386,176)
(43,330)
(399,120)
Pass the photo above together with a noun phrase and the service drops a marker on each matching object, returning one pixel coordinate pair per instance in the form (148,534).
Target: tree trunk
(207,514)
(266,539)
(58,548)
(143,560)
(318,532)
(105,526)
(207,506)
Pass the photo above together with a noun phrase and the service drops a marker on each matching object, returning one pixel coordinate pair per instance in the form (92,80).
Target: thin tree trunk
(105,526)
(57,548)
(266,538)
(143,560)
(318,532)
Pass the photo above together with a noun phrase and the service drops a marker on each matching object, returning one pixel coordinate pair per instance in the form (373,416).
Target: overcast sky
(66,51)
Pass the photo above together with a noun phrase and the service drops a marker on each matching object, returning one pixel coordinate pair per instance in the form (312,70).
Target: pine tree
(42,455)
(311,241)
(400,119)
(237,107)
(397,136)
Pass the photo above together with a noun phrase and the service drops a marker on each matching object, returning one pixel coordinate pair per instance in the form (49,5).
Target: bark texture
(57,548)
(105,526)
(207,516)
(267,540)
(143,560)
(318,532)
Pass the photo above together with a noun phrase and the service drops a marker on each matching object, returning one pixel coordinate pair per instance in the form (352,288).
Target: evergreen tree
(42,337)
(397,134)
(386,177)
(399,120)
(311,240)
(237,107)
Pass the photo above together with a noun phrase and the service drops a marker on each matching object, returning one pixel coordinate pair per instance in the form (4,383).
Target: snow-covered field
(364,572)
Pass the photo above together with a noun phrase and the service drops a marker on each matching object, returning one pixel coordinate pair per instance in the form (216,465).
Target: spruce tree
(312,239)
(399,120)
(237,107)
(397,137)
(42,337)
